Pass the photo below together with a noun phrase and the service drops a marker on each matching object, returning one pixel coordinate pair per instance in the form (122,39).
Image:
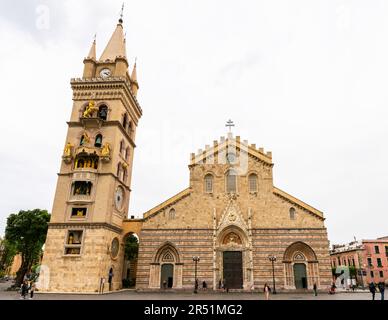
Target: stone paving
(133,295)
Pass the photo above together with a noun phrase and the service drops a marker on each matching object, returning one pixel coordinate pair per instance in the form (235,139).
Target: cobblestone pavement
(133,295)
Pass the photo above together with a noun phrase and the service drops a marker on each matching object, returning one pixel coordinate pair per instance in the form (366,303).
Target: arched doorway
(301,267)
(300,276)
(131,249)
(166,270)
(233,259)
(167,276)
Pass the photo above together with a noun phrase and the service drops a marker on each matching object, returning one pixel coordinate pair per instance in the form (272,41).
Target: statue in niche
(90,109)
(68,150)
(232,239)
(105,152)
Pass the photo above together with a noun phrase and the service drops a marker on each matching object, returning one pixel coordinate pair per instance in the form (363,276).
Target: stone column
(154,276)
(178,272)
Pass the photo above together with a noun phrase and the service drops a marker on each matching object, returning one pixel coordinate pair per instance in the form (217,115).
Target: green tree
(8,252)
(27,231)
(131,247)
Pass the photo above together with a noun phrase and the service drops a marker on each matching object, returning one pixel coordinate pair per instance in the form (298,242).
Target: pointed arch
(231,181)
(252,182)
(167,250)
(299,249)
(209,183)
(98,141)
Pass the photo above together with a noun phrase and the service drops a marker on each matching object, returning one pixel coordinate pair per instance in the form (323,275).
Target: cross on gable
(229,124)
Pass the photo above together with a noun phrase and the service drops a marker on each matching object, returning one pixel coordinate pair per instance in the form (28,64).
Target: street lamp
(273,259)
(196,260)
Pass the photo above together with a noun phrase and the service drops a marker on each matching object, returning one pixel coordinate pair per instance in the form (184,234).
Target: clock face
(119,198)
(114,248)
(105,73)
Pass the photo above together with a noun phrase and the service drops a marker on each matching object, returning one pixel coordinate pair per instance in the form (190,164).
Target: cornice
(89,225)
(167,203)
(100,174)
(106,124)
(114,85)
(309,209)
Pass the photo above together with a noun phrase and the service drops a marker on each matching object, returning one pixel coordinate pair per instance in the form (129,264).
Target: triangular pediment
(232,216)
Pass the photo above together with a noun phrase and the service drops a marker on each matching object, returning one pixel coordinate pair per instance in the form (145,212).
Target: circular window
(114,248)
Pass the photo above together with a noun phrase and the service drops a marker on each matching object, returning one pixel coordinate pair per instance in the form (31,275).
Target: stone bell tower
(84,249)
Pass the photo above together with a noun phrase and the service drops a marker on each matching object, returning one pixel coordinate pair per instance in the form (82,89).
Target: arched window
(98,141)
(252,180)
(103,112)
(126,153)
(82,140)
(85,161)
(209,183)
(125,121)
(119,170)
(171,214)
(292,213)
(130,127)
(125,175)
(121,146)
(231,181)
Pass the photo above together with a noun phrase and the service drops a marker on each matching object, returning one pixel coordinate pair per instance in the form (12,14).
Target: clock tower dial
(105,73)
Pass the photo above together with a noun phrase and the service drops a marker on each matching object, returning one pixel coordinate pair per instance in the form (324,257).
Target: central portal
(233,273)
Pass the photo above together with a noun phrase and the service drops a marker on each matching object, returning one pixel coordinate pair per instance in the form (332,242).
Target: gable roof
(169,202)
(297,202)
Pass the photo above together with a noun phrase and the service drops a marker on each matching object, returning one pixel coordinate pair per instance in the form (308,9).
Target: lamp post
(196,260)
(273,259)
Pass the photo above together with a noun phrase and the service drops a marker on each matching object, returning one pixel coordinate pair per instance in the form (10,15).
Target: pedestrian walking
(372,289)
(267,291)
(381,287)
(24,289)
(315,289)
(204,285)
(32,289)
(220,284)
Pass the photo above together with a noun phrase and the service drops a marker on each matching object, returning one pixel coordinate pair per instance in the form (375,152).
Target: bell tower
(84,249)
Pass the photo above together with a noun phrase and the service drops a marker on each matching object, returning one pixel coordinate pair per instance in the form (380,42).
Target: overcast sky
(307,80)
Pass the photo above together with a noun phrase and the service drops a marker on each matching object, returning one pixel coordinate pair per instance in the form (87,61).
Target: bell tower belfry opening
(85,235)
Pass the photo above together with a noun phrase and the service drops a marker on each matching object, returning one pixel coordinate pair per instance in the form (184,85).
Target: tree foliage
(26,231)
(131,247)
(8,252)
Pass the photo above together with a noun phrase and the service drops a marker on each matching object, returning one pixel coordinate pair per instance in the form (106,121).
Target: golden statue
(68,149)
(105,152)
(85,138)
(90,109)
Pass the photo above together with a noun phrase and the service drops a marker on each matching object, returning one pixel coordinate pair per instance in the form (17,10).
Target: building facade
(233,218)
(369,258)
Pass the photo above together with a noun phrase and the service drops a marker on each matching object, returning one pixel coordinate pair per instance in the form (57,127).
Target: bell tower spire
(90,61)
(116,45)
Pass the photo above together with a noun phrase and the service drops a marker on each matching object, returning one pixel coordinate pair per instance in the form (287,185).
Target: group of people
(373,288)
(28,287)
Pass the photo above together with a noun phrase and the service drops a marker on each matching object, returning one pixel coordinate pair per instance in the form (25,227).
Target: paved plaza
(133,295)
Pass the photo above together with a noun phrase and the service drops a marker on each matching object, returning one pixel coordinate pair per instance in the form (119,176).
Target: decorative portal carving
(299,257)
(232,239)
(167,257)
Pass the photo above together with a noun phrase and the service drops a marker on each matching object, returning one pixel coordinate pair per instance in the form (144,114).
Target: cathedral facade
(237,223)
(230,227)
